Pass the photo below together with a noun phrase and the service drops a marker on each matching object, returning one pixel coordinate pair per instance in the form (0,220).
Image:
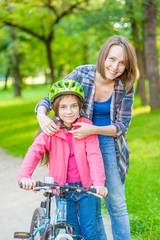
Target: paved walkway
(16,205)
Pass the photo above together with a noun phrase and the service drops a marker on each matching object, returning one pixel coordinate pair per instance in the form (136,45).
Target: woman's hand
(28,183)
(85,130)
(102,191)
(47,125)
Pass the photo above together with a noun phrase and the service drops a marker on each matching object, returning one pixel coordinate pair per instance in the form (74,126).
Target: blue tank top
(101,113)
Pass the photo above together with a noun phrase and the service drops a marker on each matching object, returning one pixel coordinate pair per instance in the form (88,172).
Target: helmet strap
(62,125)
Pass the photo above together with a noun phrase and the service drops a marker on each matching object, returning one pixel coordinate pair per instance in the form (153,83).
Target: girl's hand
(102,191)
(47,125)
(85,130)
(28,183)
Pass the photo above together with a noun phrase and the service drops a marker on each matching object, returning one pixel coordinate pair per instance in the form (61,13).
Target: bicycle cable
(78,207)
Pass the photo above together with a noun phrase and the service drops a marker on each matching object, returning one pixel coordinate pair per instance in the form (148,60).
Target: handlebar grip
(38,184)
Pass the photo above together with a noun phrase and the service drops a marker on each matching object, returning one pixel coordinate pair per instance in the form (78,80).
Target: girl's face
(68,110)
(115,62)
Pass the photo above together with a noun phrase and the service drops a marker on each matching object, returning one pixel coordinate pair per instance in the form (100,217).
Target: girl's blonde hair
(129,75)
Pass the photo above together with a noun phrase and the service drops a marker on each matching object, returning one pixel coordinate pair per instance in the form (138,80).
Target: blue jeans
(81,211)
(115,201)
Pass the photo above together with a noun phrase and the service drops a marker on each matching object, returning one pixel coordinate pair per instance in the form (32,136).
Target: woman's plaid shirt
(120,110)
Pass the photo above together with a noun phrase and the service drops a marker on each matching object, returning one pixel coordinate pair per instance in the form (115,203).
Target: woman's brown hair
(129,75)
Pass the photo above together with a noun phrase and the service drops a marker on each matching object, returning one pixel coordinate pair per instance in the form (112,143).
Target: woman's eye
(111,58)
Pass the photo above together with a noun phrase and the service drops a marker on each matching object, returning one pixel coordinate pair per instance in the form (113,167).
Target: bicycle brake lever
(39,188)
(95,194)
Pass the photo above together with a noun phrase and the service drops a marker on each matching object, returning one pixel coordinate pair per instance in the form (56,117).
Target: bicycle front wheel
(38,220)
(64,236)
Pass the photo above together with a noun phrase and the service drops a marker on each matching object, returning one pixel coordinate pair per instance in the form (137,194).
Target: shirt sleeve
(95,160)
(44,102)
(35,152)
(74,75)
(124,113)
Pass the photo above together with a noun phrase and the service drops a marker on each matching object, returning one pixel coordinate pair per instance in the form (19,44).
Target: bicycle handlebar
(44,186)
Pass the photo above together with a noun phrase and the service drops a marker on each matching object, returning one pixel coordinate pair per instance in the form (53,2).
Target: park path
(16,205)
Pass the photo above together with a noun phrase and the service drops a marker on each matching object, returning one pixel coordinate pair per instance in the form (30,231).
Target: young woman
(109,95)
(72,161)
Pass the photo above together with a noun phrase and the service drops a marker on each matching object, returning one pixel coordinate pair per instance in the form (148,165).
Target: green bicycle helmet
(64,87)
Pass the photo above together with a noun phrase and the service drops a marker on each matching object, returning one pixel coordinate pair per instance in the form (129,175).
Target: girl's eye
(122,63)
(62,107)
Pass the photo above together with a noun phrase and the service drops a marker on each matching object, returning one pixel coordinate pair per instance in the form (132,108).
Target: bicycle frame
(61,213)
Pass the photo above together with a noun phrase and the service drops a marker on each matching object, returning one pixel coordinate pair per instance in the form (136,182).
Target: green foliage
(18,126)
(30,64)
(143,180)
(39,20)
(77,38)
(5,50)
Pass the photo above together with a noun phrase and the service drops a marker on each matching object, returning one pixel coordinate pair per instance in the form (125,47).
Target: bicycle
(41,225)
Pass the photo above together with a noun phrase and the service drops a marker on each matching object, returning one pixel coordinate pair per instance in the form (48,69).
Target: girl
(72,161)
(109,92)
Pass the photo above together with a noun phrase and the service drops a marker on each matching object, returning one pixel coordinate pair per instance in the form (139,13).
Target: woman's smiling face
(115,62)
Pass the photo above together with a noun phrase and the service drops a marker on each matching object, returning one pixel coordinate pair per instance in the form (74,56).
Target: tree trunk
(141,89)
(6,78)
(85,52)
(50,60)
(151,54)
(17,77)
(16,63)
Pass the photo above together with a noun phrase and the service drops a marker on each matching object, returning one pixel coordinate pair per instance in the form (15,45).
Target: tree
(5,66)
(151,53)
(16,57)
(137,28)
(39,19)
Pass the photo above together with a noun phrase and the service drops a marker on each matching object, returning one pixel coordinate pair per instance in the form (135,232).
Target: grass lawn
(143,180)
(18,126)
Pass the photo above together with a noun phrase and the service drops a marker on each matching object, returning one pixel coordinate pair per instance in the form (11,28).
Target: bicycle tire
(38,219)
(63,236)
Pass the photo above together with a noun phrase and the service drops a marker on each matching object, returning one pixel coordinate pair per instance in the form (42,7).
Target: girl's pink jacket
(87,154)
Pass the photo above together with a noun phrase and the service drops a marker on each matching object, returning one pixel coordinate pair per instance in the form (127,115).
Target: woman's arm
(47,125)
(86,130)
(119,126)
(124,113)
(42,109)
(45,103)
